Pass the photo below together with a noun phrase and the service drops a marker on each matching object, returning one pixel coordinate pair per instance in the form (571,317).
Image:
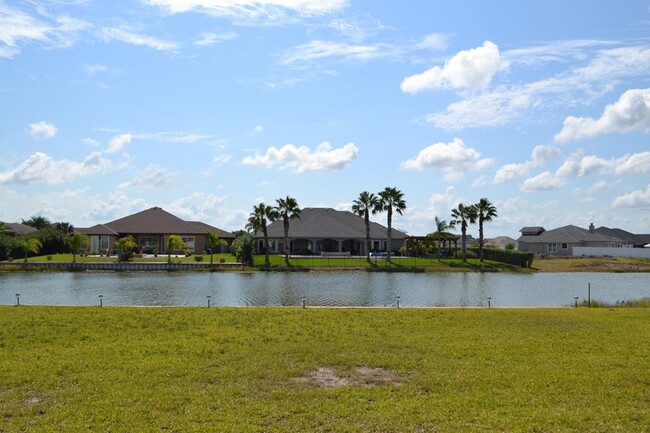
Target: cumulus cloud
(631,112)
(302,159)
(199,206)
(637,164)
(540,156)
(263,11)
(90,142)
(114,33)
(151,177)
(40,168)
(579,165)
(42,129)
(634,199)
(545,181)
(454,158)
(118,142)
(471,69)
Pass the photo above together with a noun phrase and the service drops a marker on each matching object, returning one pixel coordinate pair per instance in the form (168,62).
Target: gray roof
(638,240)
(327,223)
(17,229)
(570,234)
(531,231)
(153,221)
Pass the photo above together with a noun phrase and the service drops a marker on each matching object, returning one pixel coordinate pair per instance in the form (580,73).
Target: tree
(174,242)
(242,248)
(214,241)
(390,199)
(257,221)
(29,245)
(65,229)
(38,222)
(125,245)
(442,228)
(77,241)
(287,208)
(485,212)
(363,206)
(464,215)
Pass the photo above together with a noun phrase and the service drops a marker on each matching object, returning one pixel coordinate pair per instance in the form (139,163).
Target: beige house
(151,229)
(562,240)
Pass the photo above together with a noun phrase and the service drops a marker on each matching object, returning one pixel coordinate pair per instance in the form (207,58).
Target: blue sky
(207,107)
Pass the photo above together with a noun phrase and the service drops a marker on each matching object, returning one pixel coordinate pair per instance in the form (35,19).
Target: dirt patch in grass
(365,376)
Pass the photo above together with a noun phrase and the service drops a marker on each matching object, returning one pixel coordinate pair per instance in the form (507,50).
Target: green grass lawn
(248,369)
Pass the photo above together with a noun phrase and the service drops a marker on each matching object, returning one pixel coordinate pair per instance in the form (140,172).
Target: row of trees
(388,200)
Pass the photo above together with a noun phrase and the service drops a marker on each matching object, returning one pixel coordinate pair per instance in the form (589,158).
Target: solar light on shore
(576,300)
(304,302)
(397,301)
(101,300)
(209,301)
(17,298)
(489,299)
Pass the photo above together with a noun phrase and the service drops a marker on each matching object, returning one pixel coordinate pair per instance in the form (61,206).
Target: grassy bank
(343,370)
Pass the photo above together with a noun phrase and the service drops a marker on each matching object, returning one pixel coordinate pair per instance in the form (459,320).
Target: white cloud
(90,142)
(94,69)
(209,38)
(580,165)
(40,168)
(472,69)
(254,11)
(224,158)
(151,177)
(511,171)
(258,129)
(18,28)
(637,164)
(42,129)
(357,29)
(316,50)
(301,159)
(198,206)
(454,158)
(545,181)
(634,199)
(113,33)
(631,112)
(118,142)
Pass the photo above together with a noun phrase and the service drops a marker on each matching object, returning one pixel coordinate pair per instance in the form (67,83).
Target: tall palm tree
(287,208)
(174,242)
(485,212)
(442,227)
(64,228)
(363,206)
(76,241)
(390,199)
(464,215)
(257,221)
(29,245)
(214,241)
(38,222)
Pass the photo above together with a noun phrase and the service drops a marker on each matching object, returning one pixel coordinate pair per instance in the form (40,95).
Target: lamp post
(101,300)
(397,301)
(576,301)
(209,301)
(304,302)
(17,299)
(489,299)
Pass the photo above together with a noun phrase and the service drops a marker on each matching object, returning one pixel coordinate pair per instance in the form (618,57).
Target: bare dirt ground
(364,376)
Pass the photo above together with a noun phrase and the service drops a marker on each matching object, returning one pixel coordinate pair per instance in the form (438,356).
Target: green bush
(198,258)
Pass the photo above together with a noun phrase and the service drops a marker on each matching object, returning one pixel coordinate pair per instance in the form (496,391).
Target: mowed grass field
(92,369)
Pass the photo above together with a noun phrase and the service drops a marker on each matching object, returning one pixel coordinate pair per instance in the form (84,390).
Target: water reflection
(317,288)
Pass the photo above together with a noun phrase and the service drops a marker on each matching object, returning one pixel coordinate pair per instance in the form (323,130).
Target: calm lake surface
(318,288)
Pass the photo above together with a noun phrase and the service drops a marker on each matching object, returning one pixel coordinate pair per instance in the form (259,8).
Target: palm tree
(287,208)
(464,215)
(38,222)
(214,241)
(257,221)
(77,241)
(442,228)
(390,199)
(64,228)
(485,212)
(29,245)
(363,206)
(174,242)
(125,245)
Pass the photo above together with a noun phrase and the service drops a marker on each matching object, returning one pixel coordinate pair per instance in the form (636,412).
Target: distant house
(328,230)
(637,241)
(17,229)
(562,240)
(151,229)
(500,242)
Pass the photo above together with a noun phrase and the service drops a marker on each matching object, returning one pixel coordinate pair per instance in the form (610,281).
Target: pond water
(318,288)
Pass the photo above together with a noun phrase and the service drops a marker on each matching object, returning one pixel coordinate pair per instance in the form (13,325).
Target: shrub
(198,258)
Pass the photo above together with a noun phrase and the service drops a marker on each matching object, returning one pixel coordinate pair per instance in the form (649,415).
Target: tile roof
(570,233)
(99,229)
(330,223)
(18,229)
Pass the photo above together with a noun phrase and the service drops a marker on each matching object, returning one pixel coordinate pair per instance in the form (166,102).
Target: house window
(188,241)
(148,244)
(565,246)
(551,248)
